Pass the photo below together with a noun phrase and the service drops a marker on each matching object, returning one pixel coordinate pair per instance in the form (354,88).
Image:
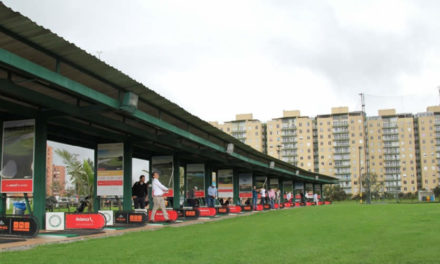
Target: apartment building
(340,144)
(246,129)
(392,150)
(290,138)
(428,147)
(402,151)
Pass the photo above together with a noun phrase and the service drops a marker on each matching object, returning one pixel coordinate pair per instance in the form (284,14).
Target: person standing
(263,195)
(212,194)
(271,195)
(278,197)
(158,201)
(139,192)
(288,196)
(254,197)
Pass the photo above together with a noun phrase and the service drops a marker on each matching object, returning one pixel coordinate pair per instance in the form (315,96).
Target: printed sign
(54,221)
(172,215)
(121,217)
(85,221)
(19,226)
(234,209)
(137,218)
(247,208)
(195,180)
(17,156)
(222,210)
(164,165)
(191,213)
(108,214)
(299,186)
(206,211)
(261,182)
(245,185)
(225,184)
(110,169)
(274,184)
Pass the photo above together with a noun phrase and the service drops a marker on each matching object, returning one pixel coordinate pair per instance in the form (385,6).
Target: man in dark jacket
(139,192)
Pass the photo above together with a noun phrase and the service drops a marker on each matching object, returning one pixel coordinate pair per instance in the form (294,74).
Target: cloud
(217,59)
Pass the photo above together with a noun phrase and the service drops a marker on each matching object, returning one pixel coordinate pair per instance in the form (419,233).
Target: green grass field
(340,233)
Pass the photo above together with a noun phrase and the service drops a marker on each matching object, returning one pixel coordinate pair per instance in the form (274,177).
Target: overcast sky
(219,58)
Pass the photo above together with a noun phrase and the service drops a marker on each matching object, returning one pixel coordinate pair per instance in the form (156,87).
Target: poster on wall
(195,179)
(245,185)
(110,178)
(225,184)
(274,184)
(18,156)
(261,182)
(164,165)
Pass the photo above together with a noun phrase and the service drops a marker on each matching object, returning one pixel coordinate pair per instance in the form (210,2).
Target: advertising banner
(245,185)
(54,221)
(17,156)
(299,186)
(85,221)
(164,165)
(225,184)
(195,177)
(110,169)
(108,214)
(274,184)
(261,182)
(25,226)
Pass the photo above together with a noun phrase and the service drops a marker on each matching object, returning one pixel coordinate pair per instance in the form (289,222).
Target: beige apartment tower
(392,151)
(428,128)
(290,138)
(340,140)
(400,151)
(246,129)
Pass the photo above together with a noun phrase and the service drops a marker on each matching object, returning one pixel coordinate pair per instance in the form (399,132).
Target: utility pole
(438,92)
(365,145)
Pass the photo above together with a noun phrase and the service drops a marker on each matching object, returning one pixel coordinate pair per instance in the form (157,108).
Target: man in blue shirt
(212,194)
(254,197)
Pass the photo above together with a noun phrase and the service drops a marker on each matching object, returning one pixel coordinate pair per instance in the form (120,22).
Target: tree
(82,173)
(371,183)
(334,193)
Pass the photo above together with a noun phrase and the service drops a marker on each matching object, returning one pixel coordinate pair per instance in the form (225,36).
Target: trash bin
(20,207)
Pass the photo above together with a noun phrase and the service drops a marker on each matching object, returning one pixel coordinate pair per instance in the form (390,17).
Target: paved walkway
(45,238)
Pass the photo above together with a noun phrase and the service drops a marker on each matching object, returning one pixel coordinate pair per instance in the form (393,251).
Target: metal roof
(41,39)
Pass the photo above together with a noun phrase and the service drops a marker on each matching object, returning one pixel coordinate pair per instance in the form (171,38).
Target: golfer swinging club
(158,201)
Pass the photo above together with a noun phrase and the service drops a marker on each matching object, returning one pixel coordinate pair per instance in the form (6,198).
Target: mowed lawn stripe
(340,233)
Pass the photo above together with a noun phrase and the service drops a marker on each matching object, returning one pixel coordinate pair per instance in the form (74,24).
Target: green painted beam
(40,170)
(82,90)
(56,78)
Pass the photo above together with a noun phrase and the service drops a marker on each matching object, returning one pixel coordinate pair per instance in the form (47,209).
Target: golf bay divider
(55,221)
(21,226)
(108,214)
(63,221)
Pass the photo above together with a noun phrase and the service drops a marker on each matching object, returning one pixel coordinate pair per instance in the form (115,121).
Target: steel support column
(208,180)
(235,182)
(96,198)
(2,195)
(176,174)
(281,186)
(128,154)
(40,170)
